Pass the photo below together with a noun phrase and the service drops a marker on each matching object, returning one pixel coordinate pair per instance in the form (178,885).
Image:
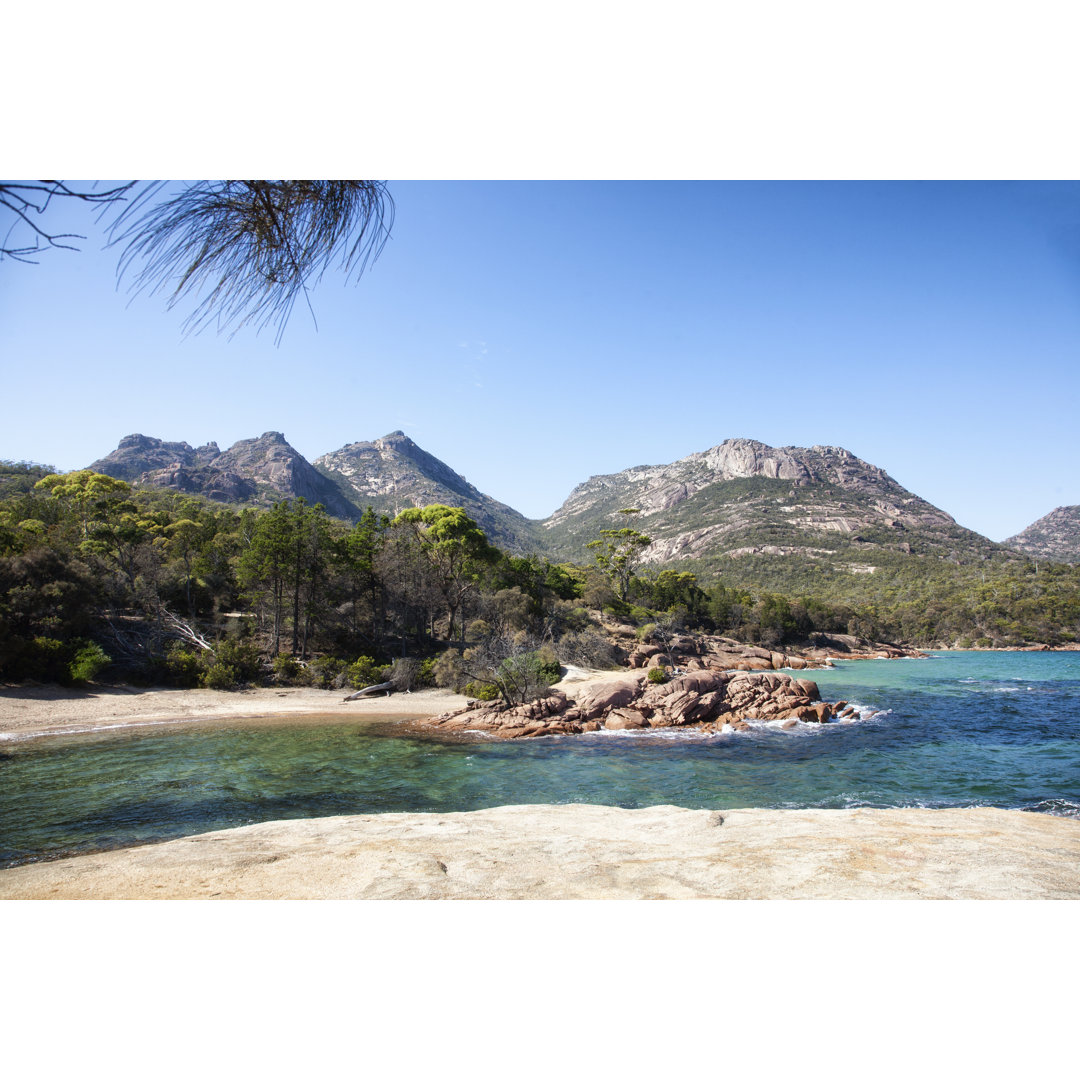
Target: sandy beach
(31,711)
(34,710)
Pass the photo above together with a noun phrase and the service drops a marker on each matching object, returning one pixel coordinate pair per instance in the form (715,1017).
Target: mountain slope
(254,471)
(742,496)
(393,473)
(1055,537)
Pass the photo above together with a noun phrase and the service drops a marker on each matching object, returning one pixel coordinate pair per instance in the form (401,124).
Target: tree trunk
(387,686)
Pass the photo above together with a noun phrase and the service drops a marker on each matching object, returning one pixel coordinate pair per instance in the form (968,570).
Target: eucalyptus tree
(455,548)
(92,497)
(618,552)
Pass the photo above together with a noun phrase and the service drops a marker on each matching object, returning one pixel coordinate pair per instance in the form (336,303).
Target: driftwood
(387,686)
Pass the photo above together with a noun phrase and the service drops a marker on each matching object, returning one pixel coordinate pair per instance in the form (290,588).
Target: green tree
(456,550)
(618,551)
(90,496)
(263,571)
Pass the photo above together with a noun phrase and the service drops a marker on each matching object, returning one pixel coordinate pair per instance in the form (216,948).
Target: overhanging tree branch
(249,248)
(24,199)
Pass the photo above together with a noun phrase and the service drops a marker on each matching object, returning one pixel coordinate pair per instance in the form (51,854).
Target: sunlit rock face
(1055,537)
(743,498)
(258,471)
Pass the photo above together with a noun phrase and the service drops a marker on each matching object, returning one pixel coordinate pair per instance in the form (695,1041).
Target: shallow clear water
(961,729)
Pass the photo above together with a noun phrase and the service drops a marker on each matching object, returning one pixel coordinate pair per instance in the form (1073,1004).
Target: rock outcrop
(392,474)
(707,700)
(260,471)
(591,853)
(691,652)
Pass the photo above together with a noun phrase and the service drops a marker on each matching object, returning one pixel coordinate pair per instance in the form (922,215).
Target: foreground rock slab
(591,852)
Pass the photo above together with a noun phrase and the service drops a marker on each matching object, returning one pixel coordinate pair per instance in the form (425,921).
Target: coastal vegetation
(102,580)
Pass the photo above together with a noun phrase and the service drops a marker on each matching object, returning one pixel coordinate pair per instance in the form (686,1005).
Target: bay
(958,729)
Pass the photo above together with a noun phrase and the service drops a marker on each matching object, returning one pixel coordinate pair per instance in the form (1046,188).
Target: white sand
(27,711)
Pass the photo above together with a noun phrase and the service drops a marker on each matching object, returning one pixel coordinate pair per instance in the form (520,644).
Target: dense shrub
(323,671)
(427,672)
(242,656)
(181,667)
(364,671)
(657,675)
(87,663)
(286,669)
(548,664)
(482,691)
(587,648)
(448,670)
(220,677)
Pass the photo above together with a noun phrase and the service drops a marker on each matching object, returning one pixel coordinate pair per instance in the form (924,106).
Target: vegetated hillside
(802,523)
(257,472)
(742,496)
(1055,537)
(393,473)
(821,523)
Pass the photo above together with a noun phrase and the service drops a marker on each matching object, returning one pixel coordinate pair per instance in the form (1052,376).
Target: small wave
(1058,807)
(25,736)
(671,734)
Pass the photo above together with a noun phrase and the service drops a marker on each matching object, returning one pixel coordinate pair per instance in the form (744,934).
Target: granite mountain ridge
(739,501)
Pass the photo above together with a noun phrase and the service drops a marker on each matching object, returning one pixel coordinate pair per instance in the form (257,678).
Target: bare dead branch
(26,198)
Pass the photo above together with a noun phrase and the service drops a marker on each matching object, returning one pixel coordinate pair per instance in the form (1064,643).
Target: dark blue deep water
(960,729)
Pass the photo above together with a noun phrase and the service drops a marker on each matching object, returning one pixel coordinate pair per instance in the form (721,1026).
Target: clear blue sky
(534,334)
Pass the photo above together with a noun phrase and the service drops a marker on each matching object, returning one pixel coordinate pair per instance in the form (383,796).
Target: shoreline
(589,852)
(28,712)
(39,710)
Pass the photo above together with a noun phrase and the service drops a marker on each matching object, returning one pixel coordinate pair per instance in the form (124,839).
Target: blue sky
(534,334)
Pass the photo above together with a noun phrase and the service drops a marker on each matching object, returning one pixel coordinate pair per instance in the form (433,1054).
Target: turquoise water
(960,729)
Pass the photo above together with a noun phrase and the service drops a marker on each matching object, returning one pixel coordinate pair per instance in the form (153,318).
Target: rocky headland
(716,685)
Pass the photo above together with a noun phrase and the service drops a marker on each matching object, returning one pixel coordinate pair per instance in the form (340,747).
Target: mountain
(258,471)
(763,516)
(393,473)
(388,474)
(743,499)
(1055,537)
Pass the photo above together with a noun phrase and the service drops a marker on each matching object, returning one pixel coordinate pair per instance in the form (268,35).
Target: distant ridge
(1055,537)
(260,471)
(388,474)
(740,508)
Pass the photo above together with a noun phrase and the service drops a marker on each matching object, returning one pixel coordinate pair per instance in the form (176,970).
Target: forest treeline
(98,580)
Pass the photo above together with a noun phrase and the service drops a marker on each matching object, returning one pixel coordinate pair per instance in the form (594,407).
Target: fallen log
(387,686)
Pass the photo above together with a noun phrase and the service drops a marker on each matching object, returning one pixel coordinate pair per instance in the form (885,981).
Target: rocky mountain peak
(1055,537)
(262,470)
(743,496)
(393,473)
